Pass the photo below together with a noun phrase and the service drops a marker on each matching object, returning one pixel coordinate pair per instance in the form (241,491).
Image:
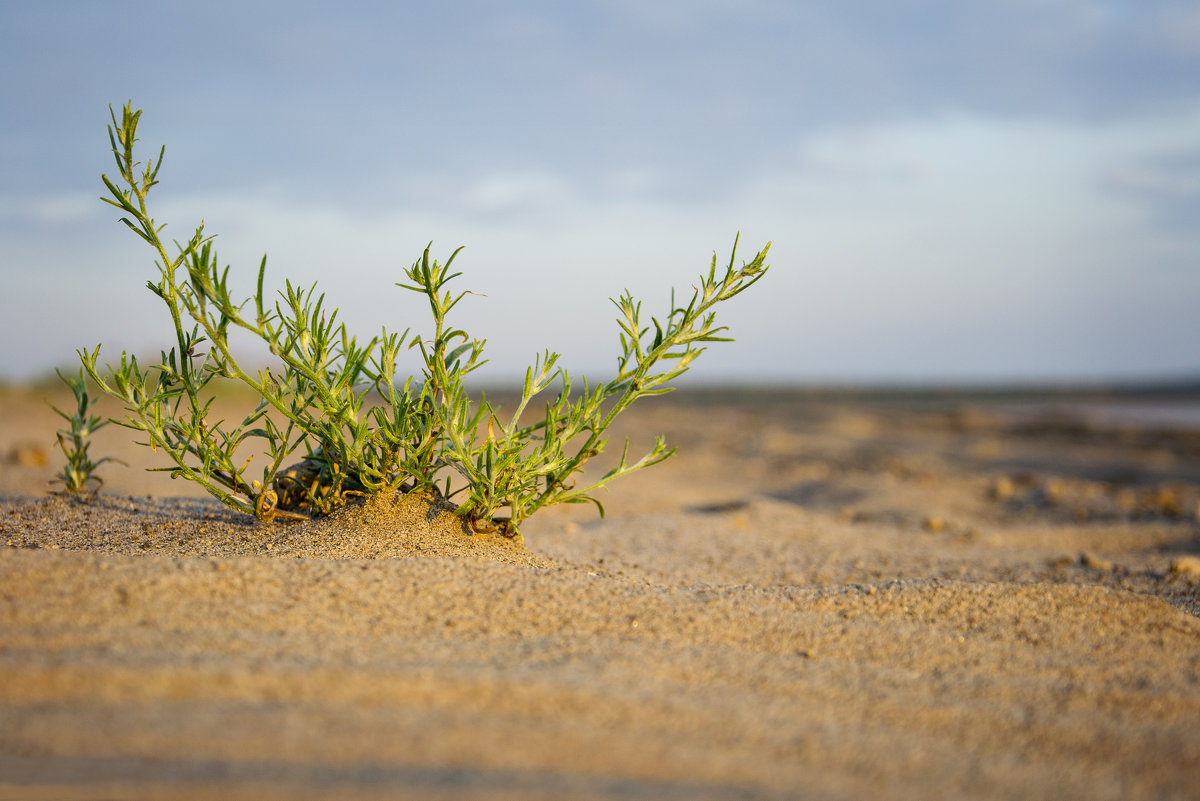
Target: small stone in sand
(1094,562)
(1003,488)
(1186,564)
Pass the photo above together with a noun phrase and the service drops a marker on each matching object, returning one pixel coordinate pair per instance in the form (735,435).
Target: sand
(817,597)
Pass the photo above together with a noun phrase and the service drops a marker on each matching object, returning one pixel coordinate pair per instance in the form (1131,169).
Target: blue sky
(985,191)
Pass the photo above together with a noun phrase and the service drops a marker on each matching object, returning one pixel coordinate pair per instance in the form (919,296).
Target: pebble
(1167,501)
(1003,488)
(1186,564)
(26,456)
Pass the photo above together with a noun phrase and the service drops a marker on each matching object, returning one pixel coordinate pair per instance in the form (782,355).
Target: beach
(820,595)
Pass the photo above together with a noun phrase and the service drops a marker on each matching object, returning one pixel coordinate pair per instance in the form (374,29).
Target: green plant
(75,439)
(337,401)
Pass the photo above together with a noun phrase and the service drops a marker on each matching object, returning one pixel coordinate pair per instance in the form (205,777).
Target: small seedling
(74,440)
(338,405)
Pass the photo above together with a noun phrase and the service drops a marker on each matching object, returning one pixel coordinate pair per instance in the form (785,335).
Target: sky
(987,191)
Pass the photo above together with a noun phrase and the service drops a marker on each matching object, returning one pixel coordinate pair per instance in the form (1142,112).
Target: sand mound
(376,528)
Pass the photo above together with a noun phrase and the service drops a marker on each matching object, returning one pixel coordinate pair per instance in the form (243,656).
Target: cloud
(516,193)
(860,154)
(1167,176)
(1158,171)
(1175,32)
(1167,182)
(50,209)
(891,241)
(920,166)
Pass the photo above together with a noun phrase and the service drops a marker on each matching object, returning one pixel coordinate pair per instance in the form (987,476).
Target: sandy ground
(815,598)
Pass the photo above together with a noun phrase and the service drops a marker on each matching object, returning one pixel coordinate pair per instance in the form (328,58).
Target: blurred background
(985,192)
